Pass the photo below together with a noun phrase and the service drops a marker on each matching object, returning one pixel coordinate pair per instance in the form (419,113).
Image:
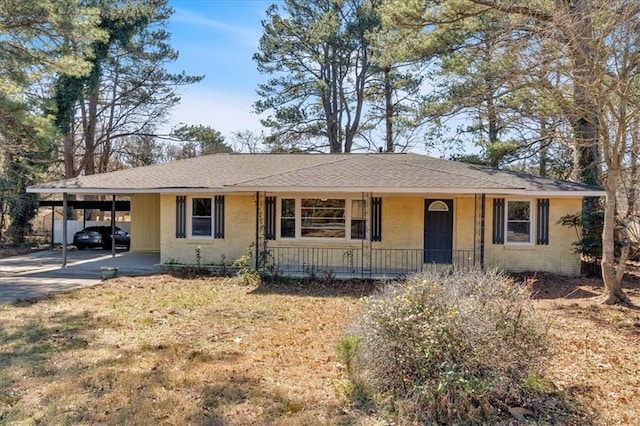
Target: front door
(438,231)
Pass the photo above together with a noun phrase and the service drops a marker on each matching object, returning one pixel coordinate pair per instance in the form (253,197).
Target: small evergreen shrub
(449,347)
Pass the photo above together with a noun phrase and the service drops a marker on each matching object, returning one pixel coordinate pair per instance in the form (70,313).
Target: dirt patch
(18,251)
(159,349)
(594,362)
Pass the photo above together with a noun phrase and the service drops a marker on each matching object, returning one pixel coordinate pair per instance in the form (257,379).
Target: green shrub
(449,347)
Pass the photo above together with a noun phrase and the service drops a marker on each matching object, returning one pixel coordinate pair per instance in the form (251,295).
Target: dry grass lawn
(164,350)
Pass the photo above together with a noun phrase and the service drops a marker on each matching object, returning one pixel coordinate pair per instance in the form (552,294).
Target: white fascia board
(570,194)
(128,191)
(381,190)
(468,191)
(313,190)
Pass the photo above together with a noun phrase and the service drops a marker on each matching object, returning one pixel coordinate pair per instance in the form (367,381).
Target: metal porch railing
(361,262)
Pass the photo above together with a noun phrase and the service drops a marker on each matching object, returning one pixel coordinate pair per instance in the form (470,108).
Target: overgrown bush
(449,347)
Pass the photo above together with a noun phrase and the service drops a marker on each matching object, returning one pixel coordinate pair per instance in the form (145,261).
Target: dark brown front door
(438,231)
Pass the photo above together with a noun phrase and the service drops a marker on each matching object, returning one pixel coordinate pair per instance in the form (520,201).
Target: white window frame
(190,217)
(532,228)
(298,217)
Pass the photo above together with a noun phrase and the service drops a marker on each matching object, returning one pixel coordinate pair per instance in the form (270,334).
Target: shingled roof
(387,173)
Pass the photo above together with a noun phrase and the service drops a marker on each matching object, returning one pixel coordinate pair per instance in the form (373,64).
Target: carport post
(64,229)
(113,226)
(53,225)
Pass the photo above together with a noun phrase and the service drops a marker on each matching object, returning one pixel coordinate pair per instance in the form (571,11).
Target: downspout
(475,228)
(365,237)
(64,229)
(113,226)
(370,226)
(482,217)
(257,230)
(53,225)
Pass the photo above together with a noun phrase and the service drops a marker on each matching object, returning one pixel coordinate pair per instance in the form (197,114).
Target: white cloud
(224,112)
(248,35)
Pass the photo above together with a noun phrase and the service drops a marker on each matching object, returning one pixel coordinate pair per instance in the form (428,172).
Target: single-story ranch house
(345,214)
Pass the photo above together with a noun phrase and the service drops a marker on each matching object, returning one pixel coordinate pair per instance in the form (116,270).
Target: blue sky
(217,38)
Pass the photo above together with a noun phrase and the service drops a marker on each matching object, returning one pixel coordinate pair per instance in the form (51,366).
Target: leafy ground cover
(165,350)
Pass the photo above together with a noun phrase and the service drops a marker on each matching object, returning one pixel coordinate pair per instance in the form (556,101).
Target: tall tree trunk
(90,132)
(335,144)
(613,293)
(544,146)
(388,109)
(585,127)
(68,155)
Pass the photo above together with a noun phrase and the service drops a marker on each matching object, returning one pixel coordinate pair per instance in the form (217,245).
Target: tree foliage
(569,66)
(330,86)
(128,92)
(38,39)
(199,140)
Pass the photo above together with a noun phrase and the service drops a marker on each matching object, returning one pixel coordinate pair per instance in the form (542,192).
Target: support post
(113,226)
(482,228)
(53,226)
(257,230)
(65,212)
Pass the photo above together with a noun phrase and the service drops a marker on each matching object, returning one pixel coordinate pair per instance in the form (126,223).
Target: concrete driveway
(39,273)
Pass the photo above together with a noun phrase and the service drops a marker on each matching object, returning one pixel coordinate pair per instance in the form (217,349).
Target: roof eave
(124,191)
(319,189)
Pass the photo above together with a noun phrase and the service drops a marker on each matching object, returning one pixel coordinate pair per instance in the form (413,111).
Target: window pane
(518,222)
(518,210)
(201,217)
(518,232)
(322,232)
(287,228)
(322,203)
(201,226)
(323,218)
(357,209)
(288,208)
(358,229)
(202,207)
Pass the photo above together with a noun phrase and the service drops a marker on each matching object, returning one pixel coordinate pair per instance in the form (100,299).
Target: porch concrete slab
(40,273)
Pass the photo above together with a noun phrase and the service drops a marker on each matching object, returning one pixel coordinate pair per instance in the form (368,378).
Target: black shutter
(181,216)
(542,222)
(218,215)
(376,219)
(498,221)
(270,218)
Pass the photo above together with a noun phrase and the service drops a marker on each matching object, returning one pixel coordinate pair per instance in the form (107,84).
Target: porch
(361,262)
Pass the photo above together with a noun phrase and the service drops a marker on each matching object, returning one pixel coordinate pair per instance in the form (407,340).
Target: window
(518,222)
(322,218)
(288,218)
(358,220)
(201,217)
(438,206)
(336,218)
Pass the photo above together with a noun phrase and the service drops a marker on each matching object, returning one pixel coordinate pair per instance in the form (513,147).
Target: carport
(144,208)
(113,206)
(121,206)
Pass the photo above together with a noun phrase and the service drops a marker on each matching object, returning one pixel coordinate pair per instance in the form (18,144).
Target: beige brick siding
(402,223)
(557,257)
(145,222)
(402,228)
(240,231)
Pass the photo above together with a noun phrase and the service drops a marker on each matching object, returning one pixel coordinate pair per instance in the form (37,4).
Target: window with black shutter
(218,227)
(181,216)
(498,221)
(376,219)
(542,222)
(270,218)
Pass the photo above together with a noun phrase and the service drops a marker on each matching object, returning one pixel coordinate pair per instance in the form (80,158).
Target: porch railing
(361,262)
